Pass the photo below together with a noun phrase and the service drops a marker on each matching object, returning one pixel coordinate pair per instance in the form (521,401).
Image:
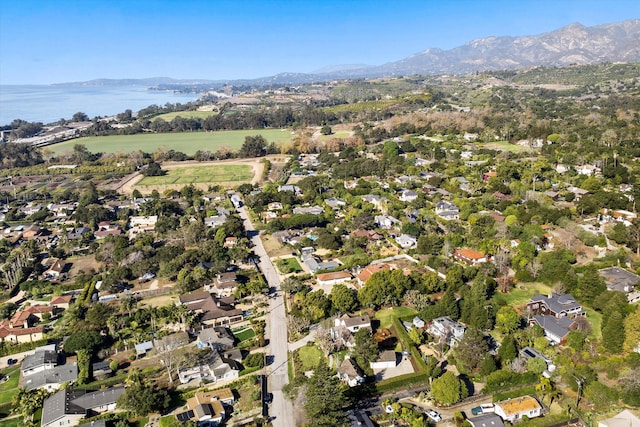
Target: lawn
(186,142)
(13,422)
(522,293)
(185,115)
(10,388)
(504,146)
(244,334)
(288,265)
(200,175)
(342,134)
(310,356)
(386,316)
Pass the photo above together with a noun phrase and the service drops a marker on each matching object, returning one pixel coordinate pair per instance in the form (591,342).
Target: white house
(386,360)
(447,329)
(513,410)
(353,324)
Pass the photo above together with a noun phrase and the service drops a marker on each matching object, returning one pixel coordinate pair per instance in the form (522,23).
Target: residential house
(446,330)
(334,278)
(101,369)
(62,210)
(224,285)
(293,188)
(143,347)
(106,229)
(626,418)
(216,338)
(377,201)
(22,319)
(31,232)
(142,224)
(77,233)
(470,256)
(213,311)
(207,408)
(588,170)
(52,379)
(447,210)
(274,206)
(61,302)
(406,241)
(67,407)
(619,279)
(386,221)
(19,335)
(55,270)
(353,324)
(350,373)
(408,196)
(309,210)
(388,359)
(43,358)
(335,203)
(370,270)
(555,329)
(512,410)
(367,234)
(230,242)
(578,192)
(211,368)
(215,220)
(486,420)
(555,305)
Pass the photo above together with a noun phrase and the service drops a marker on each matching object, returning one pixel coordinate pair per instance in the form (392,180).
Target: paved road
(281,410)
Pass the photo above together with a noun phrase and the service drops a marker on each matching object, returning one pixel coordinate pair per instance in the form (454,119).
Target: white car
(388,409)
(434,415)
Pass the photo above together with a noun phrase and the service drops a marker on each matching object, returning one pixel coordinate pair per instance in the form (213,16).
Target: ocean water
(46,104)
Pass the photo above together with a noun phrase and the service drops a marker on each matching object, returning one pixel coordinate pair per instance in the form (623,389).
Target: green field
(504,146)
(200,175)
(310,356)
(186,142)
(185,115)
(386,316)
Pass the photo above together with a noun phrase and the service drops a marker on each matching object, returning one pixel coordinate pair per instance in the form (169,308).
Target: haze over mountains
(573,44)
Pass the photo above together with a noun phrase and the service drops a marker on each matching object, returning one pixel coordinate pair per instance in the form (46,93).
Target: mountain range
(573,44)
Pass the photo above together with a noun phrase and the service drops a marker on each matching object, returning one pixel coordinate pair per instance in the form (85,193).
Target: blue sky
(51,41)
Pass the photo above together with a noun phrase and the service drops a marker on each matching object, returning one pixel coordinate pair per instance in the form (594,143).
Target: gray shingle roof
(557,327)
(39,358)
(557,303)
(58,375)
(61,404)
(99,398)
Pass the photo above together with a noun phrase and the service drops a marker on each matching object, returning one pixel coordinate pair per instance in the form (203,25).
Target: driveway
(404,367)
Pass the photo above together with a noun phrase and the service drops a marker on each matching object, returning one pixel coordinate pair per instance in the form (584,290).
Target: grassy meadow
(200,175)
(186,142)
(185,115)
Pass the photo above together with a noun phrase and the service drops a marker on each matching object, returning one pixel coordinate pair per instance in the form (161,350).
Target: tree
(152,169)
(536,365)
(292,285)
(507,319)
(632,329)
(326,130)
(254,146)
(471,351)
(366,349)
(83,340)
(343,298)
(449,389)
(143,399)
(384,287)
(613,334)
(80,117)
(325,401)
(508,350)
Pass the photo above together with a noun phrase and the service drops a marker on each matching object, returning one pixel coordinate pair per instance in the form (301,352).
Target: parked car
(12,361)
(268,398)
(434,415)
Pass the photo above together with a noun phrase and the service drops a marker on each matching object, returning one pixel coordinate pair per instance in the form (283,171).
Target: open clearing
(185,115)
(226,173)
(200,175)
(504,146)
(185,142)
